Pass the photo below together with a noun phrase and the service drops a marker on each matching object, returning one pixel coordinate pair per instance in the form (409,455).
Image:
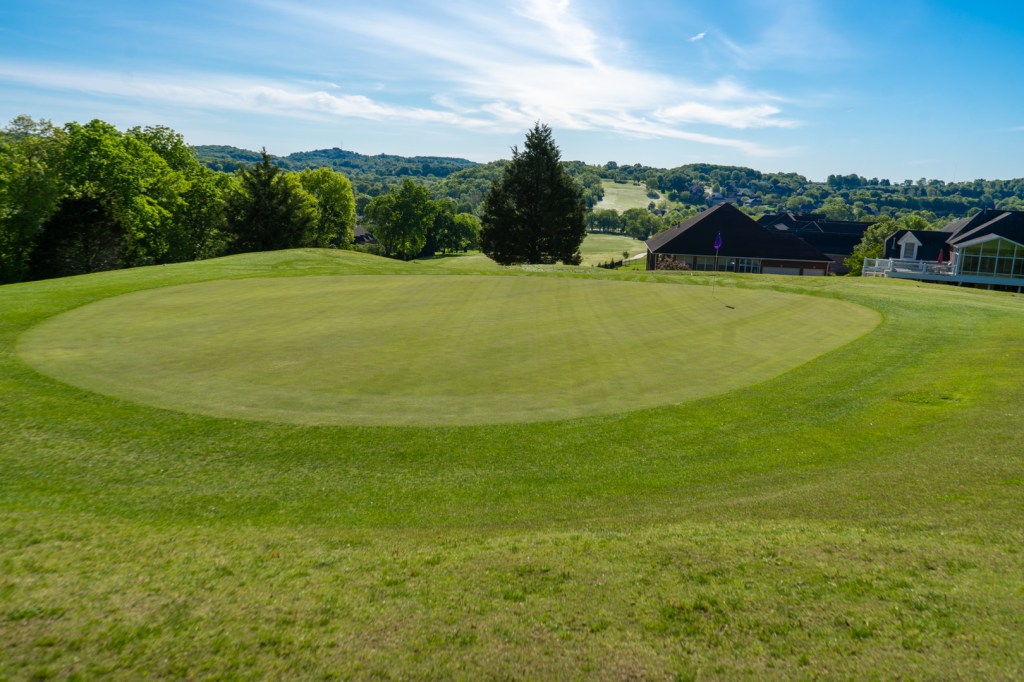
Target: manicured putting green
(442,349)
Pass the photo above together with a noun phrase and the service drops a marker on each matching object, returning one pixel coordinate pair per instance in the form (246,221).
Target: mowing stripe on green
(418,350)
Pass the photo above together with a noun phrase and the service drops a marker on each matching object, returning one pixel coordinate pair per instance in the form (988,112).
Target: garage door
(811,272)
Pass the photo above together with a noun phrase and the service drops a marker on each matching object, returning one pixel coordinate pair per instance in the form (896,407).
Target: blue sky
(897,89)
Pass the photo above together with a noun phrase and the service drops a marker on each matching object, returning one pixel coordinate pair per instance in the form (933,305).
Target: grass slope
(621,197)
(857,516)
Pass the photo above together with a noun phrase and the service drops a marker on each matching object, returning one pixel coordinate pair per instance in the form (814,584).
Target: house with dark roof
(984,250)
(835,238)
(745,247)
(363,236)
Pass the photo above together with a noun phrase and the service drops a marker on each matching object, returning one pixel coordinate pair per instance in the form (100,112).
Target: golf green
(433,349)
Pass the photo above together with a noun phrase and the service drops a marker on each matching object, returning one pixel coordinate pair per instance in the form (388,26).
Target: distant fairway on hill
(432,349)
(623,196)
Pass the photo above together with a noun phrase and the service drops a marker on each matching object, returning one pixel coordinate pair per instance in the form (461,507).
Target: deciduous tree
(30,189)
(400,219)
(640,223)
(604,220)
(197,222)
(336,207)
(124,187)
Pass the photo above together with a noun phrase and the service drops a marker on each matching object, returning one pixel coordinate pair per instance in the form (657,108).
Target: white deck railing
(878,267)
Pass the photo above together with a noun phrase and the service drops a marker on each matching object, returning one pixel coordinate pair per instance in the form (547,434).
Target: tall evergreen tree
(536,212)
(269,210)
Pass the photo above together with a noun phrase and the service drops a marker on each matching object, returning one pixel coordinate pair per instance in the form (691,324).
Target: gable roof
(931,242)
(986,238)
(839,237)
(809,223)
(986,215)
(742,237)
(1009,224)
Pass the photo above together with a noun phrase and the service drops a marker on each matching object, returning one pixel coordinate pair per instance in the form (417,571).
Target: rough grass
(855,517)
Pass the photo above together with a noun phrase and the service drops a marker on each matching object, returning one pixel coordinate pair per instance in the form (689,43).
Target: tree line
(463,181)
(840,197)
(82,198)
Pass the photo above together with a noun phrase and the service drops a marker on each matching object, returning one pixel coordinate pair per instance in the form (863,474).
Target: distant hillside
(229,159)
(462,180)
(841,197)
(370,175)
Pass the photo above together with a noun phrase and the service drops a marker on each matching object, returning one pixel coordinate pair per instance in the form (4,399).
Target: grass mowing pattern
(856,517)
(432,350)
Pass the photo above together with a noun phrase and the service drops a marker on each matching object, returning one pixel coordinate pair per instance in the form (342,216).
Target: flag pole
(714,275)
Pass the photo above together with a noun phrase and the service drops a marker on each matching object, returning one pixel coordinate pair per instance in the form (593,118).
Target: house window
(996,257)
(748,265)
(704,263)
(969,264)
(909,251)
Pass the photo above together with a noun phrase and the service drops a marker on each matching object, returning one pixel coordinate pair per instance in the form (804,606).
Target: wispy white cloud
(458,64)
(541,60)
(757,116)
(698,37)
(555,17)
(229,93)
(795,36)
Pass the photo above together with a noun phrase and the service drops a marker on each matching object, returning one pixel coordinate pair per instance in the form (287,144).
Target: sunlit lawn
(857,516)
(600,248)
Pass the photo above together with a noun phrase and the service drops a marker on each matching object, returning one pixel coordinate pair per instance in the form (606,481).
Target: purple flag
(718,241)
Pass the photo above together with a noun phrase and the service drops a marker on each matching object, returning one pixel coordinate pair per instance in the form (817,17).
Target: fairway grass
(856,516)
(600,248)
(422,350)
(623,196)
